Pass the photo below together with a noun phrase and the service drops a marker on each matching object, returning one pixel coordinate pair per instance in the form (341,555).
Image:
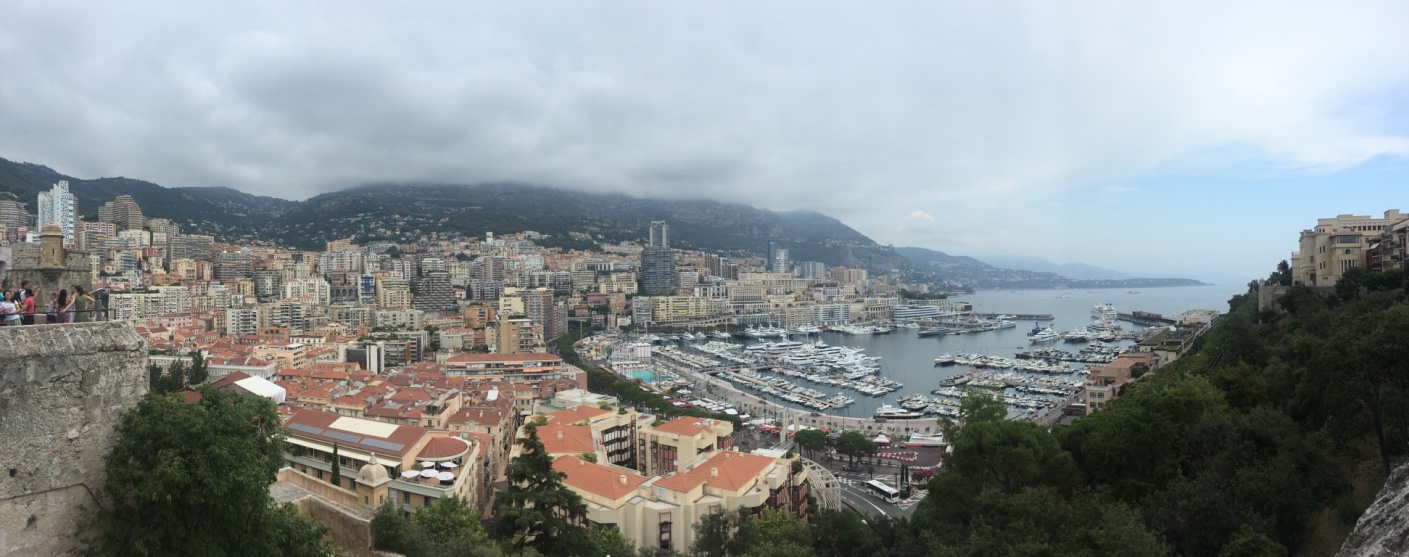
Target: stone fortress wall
(63,389)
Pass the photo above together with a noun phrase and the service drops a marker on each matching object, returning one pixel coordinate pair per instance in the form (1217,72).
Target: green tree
(392,531)
(854,445)
(609,542)
(336,463)
(1042,521)
(537,510)
(199,372)
(843,533)
(193,479)
(724,533)
(450,519)
(811,441)
(782,526)
(1251,543)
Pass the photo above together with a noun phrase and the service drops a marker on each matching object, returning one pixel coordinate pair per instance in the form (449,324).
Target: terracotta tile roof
(686,426)
(734,470)
(574,439)
(598,479)
(483,415)
(444,447)
(231,378)
(682,483)
(576,414)
(410,395)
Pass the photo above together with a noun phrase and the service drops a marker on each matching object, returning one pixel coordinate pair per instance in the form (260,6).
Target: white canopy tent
(260,386)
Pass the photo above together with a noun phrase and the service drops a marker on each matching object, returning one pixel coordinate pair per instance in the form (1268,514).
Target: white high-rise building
(57,206)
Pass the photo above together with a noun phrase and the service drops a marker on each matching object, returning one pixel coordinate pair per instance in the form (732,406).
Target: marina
(894,369)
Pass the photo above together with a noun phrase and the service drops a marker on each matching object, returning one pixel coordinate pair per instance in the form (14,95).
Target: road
(853,489)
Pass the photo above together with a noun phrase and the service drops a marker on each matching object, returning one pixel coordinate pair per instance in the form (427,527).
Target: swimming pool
(644,375)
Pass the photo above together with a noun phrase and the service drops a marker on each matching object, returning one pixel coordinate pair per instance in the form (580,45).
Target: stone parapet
(63,389)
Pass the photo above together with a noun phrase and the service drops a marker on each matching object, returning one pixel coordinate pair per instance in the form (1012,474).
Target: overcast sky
(1185,137)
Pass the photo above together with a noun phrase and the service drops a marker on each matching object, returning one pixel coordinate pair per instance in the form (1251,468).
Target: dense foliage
(193,479)
(449,528)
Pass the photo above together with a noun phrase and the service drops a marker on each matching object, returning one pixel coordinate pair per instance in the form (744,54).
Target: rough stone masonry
(63,389)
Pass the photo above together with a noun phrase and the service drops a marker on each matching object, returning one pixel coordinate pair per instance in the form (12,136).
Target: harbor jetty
(1145,318)
(1016,316)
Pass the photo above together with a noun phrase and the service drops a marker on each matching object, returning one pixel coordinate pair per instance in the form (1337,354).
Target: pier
(1145,318)
(1019,316)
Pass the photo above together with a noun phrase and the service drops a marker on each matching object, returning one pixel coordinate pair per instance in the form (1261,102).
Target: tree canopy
(537,510)
(193,479)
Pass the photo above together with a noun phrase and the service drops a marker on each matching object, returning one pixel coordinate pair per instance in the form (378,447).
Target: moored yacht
(892,413)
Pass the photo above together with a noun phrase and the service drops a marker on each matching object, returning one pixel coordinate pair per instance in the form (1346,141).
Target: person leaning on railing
(27,308)
(9,309)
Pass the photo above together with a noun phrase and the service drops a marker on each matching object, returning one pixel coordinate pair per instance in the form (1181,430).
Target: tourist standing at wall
(82,302)
(27,309)
(9,310)
(65,306)
(51,314)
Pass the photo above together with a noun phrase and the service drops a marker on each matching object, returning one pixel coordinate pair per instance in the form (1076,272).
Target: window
(406,497)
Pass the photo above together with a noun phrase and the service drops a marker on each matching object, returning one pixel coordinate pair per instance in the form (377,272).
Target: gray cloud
(979,114)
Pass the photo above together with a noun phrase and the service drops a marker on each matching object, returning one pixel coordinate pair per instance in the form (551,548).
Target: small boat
(945,360)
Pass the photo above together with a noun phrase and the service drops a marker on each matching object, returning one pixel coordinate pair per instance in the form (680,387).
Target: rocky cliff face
(1383,530)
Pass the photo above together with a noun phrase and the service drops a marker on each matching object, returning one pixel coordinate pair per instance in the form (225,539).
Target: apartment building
(508,367)
(1107,381)
(1337,245)
(291,355)
(516,336)
(393,292)
(382,462)
(680,443)
(612,432)
(661,511)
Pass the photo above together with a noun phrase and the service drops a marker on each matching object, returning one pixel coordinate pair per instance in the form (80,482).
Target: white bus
(885,492)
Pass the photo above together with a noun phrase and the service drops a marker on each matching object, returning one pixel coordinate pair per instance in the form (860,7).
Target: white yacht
(892,413)
(945,360)
(1103,311)
(1043,335)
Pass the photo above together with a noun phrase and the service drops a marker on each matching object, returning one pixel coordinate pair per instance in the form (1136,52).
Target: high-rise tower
(660,235)
(56,206)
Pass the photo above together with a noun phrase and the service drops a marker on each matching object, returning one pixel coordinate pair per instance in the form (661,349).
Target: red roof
(686,426)
(609,482)
(444,447)
(576,414)
(566,438)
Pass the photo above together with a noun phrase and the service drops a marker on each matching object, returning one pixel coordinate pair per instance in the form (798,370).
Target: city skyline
(1133,138)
